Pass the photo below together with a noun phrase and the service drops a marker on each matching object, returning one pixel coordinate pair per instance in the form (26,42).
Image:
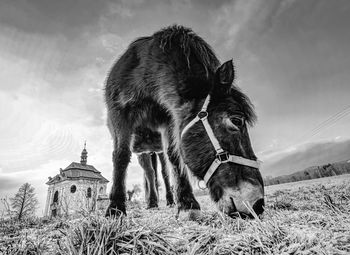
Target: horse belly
(146,140)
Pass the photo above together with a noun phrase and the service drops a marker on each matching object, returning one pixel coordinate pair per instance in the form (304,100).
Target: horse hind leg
(155,169)
(165,173)
(146,186)
(145,162)
(121,159)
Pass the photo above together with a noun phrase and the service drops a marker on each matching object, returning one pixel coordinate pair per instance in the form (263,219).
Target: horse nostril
(258,207)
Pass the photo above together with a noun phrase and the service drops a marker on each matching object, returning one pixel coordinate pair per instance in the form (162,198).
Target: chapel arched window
(73,189)
(55,197)
(88,192)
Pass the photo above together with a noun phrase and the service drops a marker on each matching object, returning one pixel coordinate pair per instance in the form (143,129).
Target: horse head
(216,147)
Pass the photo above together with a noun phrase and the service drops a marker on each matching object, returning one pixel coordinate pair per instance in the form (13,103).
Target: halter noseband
(221,155)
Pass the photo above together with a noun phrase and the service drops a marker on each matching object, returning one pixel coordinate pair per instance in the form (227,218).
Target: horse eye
(238,121)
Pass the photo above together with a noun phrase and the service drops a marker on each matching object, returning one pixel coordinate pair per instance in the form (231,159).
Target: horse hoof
(152,206)
(189,204)
(170,202)
(189,215)
(194,215)
(114,212)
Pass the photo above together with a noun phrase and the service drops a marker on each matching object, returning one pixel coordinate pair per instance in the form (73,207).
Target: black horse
(147,145)
(173,83)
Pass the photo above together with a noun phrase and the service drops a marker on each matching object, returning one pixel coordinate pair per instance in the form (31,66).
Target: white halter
(221,155)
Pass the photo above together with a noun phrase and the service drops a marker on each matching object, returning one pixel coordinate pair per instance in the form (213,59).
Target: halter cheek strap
(221,155)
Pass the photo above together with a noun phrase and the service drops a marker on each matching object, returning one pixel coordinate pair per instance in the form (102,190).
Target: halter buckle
(223,157)
(202,114)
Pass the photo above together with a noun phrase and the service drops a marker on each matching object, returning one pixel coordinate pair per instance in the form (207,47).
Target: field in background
(328,181)
(307,217)
(313,172)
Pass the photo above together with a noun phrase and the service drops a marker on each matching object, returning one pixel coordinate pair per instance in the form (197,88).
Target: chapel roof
(78,171)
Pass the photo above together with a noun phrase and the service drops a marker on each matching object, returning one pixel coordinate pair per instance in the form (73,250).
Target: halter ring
(202,115)
(202,185)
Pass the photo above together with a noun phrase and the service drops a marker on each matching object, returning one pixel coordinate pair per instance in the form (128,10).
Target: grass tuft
(98,235)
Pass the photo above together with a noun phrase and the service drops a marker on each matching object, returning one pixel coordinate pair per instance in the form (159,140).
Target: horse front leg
(184,193)
(165,174)
(121,159)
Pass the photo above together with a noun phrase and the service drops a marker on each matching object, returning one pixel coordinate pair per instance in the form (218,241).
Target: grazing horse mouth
(235,214)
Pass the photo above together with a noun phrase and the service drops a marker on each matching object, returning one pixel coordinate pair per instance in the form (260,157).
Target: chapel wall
(74,200)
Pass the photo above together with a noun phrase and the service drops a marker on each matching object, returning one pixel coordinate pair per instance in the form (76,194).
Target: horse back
(147,81)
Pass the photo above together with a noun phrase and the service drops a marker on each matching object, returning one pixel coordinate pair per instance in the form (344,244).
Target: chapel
(78,187)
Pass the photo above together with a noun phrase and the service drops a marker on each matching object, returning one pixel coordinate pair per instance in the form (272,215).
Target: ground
(308,217)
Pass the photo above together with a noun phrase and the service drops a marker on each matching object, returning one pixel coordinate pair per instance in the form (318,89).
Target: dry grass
(97,235)
(300,218)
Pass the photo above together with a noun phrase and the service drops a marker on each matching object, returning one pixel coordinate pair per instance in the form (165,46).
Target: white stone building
(79,187)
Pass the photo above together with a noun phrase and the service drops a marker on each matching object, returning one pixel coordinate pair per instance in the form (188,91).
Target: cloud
(36,129)
(8,183)
(63,17)
(61,82)
(232,20)
(237,23)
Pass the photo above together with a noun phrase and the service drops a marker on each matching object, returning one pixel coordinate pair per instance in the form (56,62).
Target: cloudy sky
(292,59)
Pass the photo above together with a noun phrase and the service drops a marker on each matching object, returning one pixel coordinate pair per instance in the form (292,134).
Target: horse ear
(226,73)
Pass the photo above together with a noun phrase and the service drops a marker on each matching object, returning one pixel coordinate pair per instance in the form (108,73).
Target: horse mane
(189,43)
(246,105)
(177,37)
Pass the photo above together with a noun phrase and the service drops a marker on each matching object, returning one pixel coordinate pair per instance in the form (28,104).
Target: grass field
(308,217)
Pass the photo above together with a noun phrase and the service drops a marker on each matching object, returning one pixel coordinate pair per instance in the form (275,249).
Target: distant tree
(24,203)
(6,210)
(136,189)
(306,175)
(294,179)
(268,180)
(332,170)
(318,172)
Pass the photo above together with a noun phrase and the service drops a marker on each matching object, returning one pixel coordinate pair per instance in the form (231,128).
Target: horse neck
(188,111)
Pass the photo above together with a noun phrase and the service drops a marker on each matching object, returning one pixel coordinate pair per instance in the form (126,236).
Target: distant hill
(330,169)
(312,155)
